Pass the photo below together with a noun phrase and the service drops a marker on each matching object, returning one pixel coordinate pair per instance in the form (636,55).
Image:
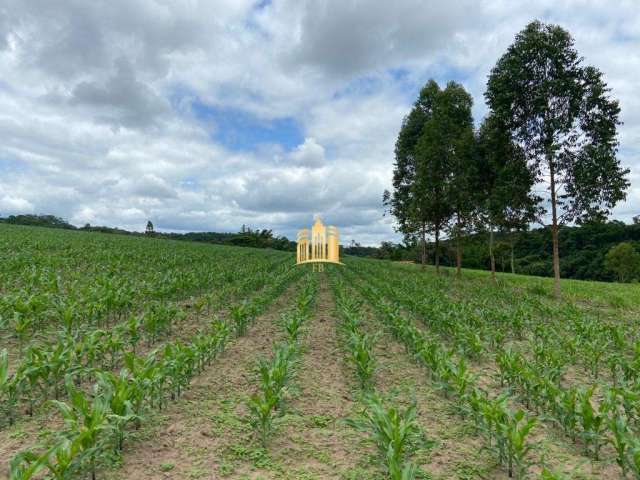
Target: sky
(206,115)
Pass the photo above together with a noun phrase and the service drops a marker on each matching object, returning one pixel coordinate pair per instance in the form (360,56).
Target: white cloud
(308,154)
(15,205)
(97,122)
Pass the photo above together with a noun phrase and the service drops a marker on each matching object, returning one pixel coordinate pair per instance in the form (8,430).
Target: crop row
(392,430)
(611,418)
(106,298)
(97,421)
(41,372)
(490,314)
(276,374)
(504,429)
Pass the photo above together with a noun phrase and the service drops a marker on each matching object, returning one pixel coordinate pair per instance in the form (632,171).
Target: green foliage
(566,122)
(624,261)
(361,356)
(548,109)
(435,166)
(241,315)
(50,221)
(25,465)
(359,343)
(82,324)
(393,431)
(276,374)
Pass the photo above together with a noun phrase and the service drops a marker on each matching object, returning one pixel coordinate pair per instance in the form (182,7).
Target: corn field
(128,357)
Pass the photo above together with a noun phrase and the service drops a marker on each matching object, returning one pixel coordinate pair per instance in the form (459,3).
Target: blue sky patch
(242,131)
(10,165)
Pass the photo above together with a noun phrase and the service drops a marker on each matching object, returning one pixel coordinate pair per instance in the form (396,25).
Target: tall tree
(444,174)
(457,137)
(561,114)
(405,203)
(431,182)
(505,185)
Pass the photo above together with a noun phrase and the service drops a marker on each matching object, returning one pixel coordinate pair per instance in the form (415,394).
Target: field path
(450,449)
(206,435)
(191,439)
(313,442)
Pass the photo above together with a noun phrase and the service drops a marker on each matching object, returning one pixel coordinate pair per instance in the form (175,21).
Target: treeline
(547,149)
(50,221)
(246,237)
(584,250)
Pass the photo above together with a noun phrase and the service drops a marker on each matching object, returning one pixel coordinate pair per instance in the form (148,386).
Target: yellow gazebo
(320,246)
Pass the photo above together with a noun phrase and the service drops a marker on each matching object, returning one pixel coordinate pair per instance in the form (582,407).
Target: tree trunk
(554,230)
(513,263)
(424,246)
(438,249)
(492,257)
(458,250)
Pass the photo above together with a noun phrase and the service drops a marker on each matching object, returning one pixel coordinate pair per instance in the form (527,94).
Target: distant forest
(246,237)
(582,248)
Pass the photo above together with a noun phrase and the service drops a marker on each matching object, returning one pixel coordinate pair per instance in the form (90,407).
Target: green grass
(602,294)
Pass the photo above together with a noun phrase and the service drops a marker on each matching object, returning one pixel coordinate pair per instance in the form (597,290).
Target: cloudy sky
(204,115)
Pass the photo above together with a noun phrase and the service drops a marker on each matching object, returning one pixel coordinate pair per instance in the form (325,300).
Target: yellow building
(318,246)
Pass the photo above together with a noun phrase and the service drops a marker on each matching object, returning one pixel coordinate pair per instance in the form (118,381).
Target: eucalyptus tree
(505,185)
(458,139)
(405,203)
(446,171)
(561,114)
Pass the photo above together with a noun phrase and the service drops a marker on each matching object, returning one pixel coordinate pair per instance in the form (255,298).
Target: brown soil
(317,443)
(207,434)
(458,454)
(32,433)
(450,448)
(197,436)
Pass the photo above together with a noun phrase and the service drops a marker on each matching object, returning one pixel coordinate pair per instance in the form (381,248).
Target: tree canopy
(561,115)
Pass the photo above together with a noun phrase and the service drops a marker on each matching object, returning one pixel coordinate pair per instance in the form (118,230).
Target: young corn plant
(620,440)
(60,460)
(292,323)
(461,380)
(8,389)
(133,330)
(513,429)
(565,411)
(592,421)
(267,402)
(121,394)
(23,327)
(87,424)
(25,466)
(241,316)
(393,431)
(361,356)
(262,406)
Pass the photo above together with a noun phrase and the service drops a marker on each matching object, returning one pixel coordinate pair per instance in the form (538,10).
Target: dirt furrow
(206,434)
(314,442)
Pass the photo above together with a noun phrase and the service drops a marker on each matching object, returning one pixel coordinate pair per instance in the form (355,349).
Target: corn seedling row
(505,431)
(276,374)
(392,430)
(97,421)
(594,423)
